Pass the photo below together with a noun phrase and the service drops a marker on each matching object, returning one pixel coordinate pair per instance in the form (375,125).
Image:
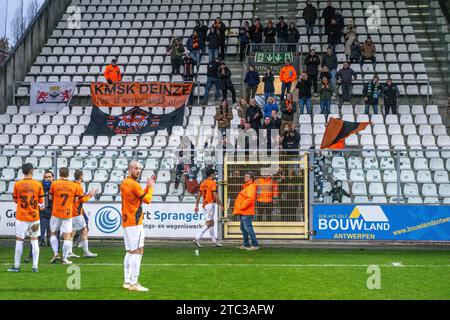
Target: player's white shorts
(210,211)
(78,223)
(134,237)
(63,225)
(32,229)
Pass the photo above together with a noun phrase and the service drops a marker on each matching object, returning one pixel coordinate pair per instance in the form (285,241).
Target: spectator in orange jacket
(267,190)
(244,207)
(287,77)
(113,73)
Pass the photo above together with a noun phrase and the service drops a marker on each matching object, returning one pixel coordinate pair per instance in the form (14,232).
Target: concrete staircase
(431,32)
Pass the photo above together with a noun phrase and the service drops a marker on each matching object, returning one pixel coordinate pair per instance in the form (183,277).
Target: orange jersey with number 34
(28,193)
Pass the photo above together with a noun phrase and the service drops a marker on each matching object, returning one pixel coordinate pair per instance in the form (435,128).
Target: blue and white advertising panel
(384,222)
(161,220)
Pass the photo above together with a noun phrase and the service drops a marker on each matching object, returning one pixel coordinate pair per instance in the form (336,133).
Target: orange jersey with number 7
(27,194)
(64,193)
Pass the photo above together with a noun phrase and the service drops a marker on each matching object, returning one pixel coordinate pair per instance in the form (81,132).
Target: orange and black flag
(337,131)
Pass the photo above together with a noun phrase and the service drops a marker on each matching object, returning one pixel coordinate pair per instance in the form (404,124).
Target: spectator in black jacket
(390,93)
(271,129)
(212,80)
(253,114)
(310,17)
(251,81)
(213,40)
(221,30)
(225,80)
(282,32)
(189,64)
(327,14)
(269,35)
(293,37)
(330,60)
(256,35)
(202,30)
(244,40)
(334,34)
(304,92)
(269,87)
(290,140)
(312,62)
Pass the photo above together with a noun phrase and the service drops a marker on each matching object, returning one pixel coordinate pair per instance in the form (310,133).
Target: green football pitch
(175,272)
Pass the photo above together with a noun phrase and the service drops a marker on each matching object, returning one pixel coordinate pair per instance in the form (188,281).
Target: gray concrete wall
(24,54)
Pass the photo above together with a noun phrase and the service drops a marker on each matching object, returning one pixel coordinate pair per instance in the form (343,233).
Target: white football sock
(127,267)
(18,254)
(135,267)
(35,249)
(67,245)
(201,232)
(211,232)
(55,244)
(85,245)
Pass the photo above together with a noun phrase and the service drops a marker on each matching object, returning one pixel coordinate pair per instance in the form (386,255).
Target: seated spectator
(242,106)
(326,92)
(213,39)
(371,93)
(390,93)
(185,160)
(253,114)
(349,37)
(288,109)
(345,78)
(244,40)
(176,55)
(251,81)
(304,92)
(368,53)
(290,140)
(223,116)
(337,192)
(355,51)
(330,60)
(293,36)
(269,87)
(271,105)
(112,72)
(195,44)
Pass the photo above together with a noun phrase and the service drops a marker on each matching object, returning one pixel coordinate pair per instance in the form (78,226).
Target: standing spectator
(349,37)
(290,139)
(194,44)
(202,31)
(368,53)
(223,116)
(225,80)
(371,93)
(326,92)
(282,32)
(213,40)
(221,30)
(327,15)
(275,119)
(244,207)
(310,17)
(244,40)
(304,92)
(251,81)
(293,37)
(355,51)
(334,34)
(256,35)
(287,76)
(330,60)
(269,35)
(271,105)
(288,109)
(325,73)
(390,94)
(253,115)
(345,77)
(312,63)
(340,23)
(189,64)
(267,127)
(243,105)
(112,72)
(212,80)
(269,88)
(176,55)
(267,191)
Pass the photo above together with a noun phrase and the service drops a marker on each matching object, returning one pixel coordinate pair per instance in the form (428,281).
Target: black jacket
(304,88)
(213,40)
(312,64)
(213,68)
(270,35)
(250,114)
(334,34)
(330,61)
(293,35)
(310,14)
(225,78)
(328,14)
(290,142)
(268,83)
(390,94)
(256,34)
(282,31)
